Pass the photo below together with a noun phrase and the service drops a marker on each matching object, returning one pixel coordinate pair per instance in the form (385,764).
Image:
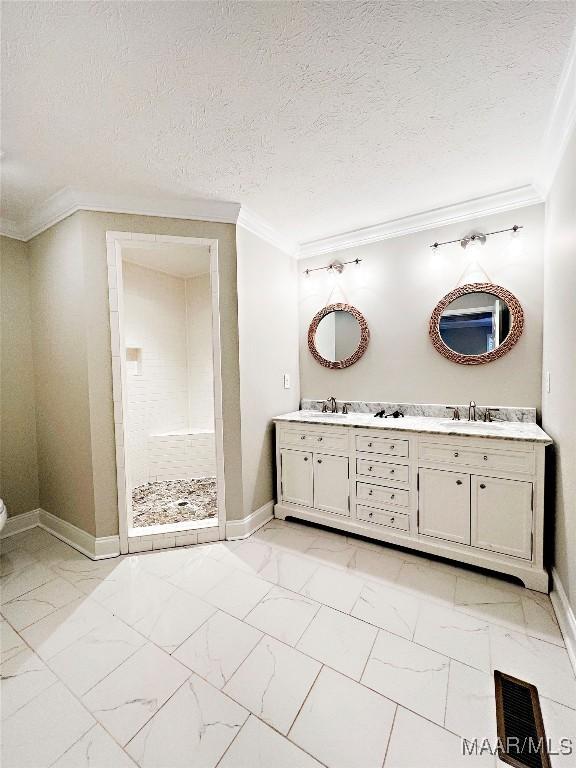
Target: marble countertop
(503,430)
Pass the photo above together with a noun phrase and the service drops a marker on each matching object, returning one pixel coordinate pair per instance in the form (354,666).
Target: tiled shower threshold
(185,525)
(168,535)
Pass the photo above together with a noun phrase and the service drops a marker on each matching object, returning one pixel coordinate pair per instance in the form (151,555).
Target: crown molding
(9,228)
(259,227)
(68,200)
(560,126)
(436,217)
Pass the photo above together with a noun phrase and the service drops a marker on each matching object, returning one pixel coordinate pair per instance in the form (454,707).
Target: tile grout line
(390,736)
(319,604)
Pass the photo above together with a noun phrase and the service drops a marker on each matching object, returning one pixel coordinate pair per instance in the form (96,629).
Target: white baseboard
(91,546)
(565,615)
(19,523)
(241,529)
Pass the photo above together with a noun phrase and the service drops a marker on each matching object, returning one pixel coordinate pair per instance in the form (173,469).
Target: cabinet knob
(392,520)
(319,439)
(305,458)
(458,482)
(369,445)
(370,469)
(370,514)
(319,461)
(391,471)
(456,455)
(370,492)
(302,437)
(485,458)
(391,447)
(482,485)
(392,495)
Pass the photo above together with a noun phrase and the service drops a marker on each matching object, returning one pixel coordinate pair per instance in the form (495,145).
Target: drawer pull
(319,461)
(392,471)
(485,458)
(392,495)
(482,485)
(370,469)
(370,514)
(456,454)
(319,439)
(369,445)
(370,492)
(391,447)
(391,520)
(458,482)
(302,437)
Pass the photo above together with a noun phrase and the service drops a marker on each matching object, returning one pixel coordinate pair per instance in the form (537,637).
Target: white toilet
(3,514)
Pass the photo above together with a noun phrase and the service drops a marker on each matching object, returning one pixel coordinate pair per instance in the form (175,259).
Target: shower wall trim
(115,242)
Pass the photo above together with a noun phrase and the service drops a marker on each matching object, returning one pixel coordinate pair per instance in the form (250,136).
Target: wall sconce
(334,266)
(477,237)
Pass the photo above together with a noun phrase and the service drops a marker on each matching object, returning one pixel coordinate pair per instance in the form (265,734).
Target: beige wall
(397,286)
(93,228)
(18,462)
(60,343)
(560,359)
(72,357)
(268,326)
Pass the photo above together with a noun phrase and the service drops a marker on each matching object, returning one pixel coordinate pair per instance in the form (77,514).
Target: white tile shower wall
(199,349)
(188,456)
(155,322)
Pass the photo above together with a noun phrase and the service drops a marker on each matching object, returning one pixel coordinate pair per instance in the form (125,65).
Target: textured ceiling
(320,117)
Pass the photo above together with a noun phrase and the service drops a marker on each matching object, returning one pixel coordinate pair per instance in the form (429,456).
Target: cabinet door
(297,477)
(444,505)
(502,515)
(331,484)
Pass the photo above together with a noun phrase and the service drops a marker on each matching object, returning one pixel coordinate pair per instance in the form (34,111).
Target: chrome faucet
(488,413)
(472,411)
(331,401)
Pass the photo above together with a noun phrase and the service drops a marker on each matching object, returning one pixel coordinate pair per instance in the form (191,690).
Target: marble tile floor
(295,648)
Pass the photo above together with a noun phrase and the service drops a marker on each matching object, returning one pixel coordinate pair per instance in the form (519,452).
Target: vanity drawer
(378,494)
(490,458)
(392,519)
(400,473)
(385,445)
(325,441)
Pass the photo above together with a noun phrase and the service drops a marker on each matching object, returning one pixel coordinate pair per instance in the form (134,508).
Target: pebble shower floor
(174,501)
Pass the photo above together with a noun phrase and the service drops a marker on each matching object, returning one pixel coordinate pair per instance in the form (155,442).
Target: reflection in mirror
(475,323)
(337,335)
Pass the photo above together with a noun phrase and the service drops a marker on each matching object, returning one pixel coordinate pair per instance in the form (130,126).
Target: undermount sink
(319,415)
(455,424)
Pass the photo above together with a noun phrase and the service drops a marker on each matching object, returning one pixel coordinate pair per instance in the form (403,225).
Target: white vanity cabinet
(444,505)
(502,515)
(478,500)
(297,477)
(315,479)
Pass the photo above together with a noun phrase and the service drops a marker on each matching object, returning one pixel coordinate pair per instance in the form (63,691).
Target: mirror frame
(360,349)
(516,325)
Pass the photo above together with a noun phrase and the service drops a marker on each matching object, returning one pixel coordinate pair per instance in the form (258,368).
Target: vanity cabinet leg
(539,581)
